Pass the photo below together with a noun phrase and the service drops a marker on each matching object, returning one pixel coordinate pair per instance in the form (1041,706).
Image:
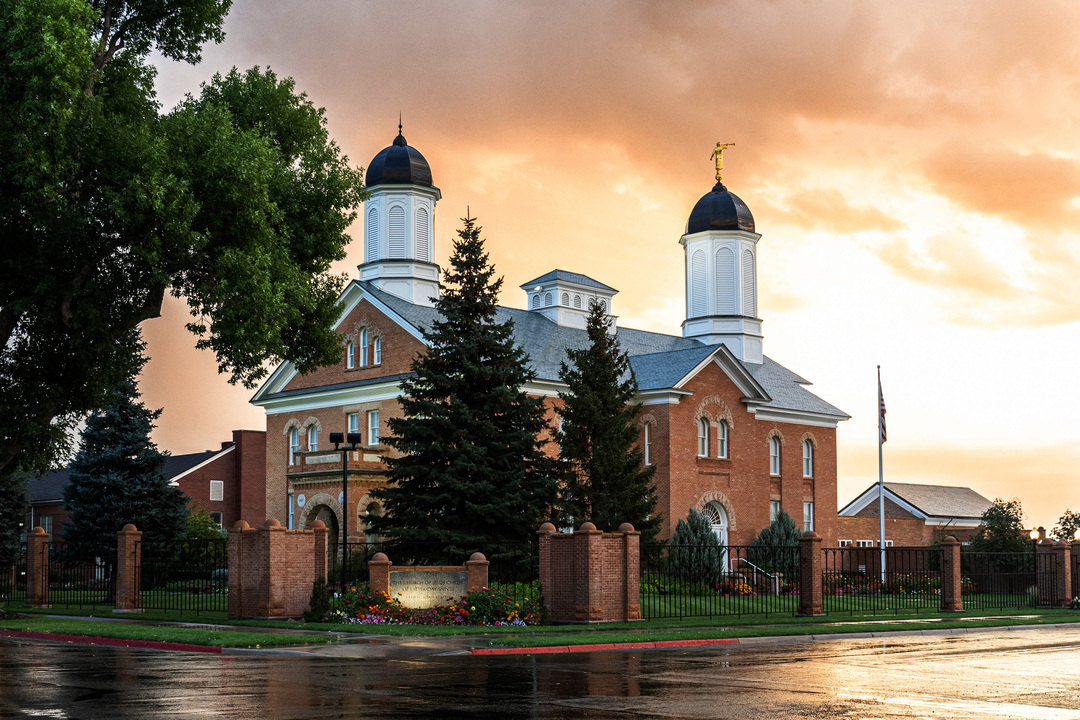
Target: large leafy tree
(470,471)
(117,477)
(1002,529)
(1067,525)
(236,200)
(604,476)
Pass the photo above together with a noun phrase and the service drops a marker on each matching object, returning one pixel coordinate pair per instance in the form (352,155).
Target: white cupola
(721,275)
(565,297)
(399,224)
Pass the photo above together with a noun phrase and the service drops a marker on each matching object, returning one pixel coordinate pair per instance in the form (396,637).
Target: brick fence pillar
(1062,574)
(272,601)
(128,552)
(37,568)
(379,573)
(477,568)
(810,566)
(543,537)
(588,552)
(632,568)
(320,548)
(951,582)
(236,568)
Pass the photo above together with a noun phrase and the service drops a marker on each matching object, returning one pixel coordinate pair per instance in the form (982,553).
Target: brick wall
(590,576)
(271,569)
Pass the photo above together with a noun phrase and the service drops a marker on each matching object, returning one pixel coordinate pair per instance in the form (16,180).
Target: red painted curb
(608,647)
(115,642)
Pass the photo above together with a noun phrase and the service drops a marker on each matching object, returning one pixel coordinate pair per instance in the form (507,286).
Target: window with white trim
(843,543)
(548,299)
(217,490)
(294,444)
(535,302)
(865,543)
(566,299)
(350,355)
(313,437)
(807,516)
(373,427)
(353,422)
(774,455)
(216,517)
(888,543)
(648,443)
(577,301)
(363,347)
(774,510)
(45,523)
(807,459)
(722,439)
(397,232)
(376,351)
(703,437)
(292,511)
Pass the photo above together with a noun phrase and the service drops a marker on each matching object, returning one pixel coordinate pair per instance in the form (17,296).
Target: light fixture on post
(345,443)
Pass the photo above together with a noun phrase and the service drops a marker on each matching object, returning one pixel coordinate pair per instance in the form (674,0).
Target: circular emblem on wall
(301,500)
(341,497)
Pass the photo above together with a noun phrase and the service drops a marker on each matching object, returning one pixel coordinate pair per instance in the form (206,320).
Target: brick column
(128,552)
(544,542)
(810,566)
(319,527)
(951,582)
(379,573)
(236,568)
(37,568)
(1062,574)
(588,605)
(632,571)
(272,601)
(477,569)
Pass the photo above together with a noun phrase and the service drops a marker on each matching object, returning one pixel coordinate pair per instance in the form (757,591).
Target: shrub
(319,605)
(490,606)
(776,548)
(695,554)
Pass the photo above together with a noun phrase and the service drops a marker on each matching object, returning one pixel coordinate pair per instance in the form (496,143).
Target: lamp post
(339,440)
(1034,535)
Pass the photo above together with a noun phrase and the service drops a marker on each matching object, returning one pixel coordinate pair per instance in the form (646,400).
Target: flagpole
(881,474)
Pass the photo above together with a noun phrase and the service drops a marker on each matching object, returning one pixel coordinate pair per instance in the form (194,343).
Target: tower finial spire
(399,122)
(718,156)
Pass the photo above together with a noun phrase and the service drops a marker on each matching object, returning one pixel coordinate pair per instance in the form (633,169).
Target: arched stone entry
(366,509)
(326,508)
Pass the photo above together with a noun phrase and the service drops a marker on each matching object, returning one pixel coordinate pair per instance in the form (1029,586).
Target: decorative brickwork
(271,569)
(128,551)
(1054,573)
(590,576)
(951,582)
(37,568)
(721,499)
(811,562)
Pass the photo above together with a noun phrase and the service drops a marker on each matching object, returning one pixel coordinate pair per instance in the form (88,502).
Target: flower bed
(490,606)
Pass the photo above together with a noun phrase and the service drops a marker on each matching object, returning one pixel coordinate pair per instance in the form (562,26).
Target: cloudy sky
(912,168)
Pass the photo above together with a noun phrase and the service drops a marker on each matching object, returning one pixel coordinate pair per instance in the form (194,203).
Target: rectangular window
(313,437)
(843,543)
(373,427)
(292,506)
(217,490)
(865,543)
(774,510)
(774,456)
(888,543)
(377,351)
(703,437)
(216,517)
(294,444)
(354,422)
(46,523)
(807,516)
(648,444)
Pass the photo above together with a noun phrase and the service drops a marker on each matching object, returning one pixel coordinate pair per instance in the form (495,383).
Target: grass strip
(157,633)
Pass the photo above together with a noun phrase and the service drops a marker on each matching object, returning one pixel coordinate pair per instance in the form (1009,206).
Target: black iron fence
(853,581)
(74,580)
(513,567)
(13,579)
(994,580)
(195,580)
(680,581)
(1075,570)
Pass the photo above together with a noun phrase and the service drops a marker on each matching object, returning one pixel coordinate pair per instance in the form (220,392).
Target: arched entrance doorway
(718,517)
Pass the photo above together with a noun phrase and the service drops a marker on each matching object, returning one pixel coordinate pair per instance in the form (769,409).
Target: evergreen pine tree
(603,473)
(117,477)
(13,504)
(469,472)
(695,553)
(775,549)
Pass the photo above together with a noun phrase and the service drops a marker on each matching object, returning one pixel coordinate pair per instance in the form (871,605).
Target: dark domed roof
(719,210)
(399,164)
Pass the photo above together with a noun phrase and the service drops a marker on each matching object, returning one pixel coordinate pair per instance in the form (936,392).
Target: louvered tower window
(748,293)
(397,232)
(725,282)
(698,305)
(371,241)
(423,236)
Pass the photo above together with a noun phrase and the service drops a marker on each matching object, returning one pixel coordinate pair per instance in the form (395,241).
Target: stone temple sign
(425,587)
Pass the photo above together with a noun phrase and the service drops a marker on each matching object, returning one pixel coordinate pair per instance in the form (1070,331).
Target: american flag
(881,407)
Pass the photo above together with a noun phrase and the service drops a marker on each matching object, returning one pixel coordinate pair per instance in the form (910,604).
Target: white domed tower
(721,274)
(399,224)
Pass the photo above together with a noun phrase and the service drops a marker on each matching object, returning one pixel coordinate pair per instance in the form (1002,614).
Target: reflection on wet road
(1016,674)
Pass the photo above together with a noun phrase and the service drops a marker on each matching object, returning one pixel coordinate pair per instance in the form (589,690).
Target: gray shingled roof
(942,500)
(658,361)
(566,276)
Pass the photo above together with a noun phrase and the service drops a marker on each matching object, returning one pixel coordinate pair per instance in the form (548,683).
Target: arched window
(719,520)
(313,437)
(535,302)
(376,351)
(774,455)
(423,236)
(703,437)
(725,282)
(371,236)
(698,305)
(748,293)
(565,299)
(807,458)
(294,444)
(648,443)
(363,347)
(577,301)
(722,439)
(548,299)
(397,232)
(603,306)
(350,355)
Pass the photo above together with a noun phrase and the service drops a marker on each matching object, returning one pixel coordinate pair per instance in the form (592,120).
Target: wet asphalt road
(1008,674)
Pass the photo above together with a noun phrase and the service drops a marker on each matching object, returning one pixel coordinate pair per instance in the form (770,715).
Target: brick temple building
(730,431)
